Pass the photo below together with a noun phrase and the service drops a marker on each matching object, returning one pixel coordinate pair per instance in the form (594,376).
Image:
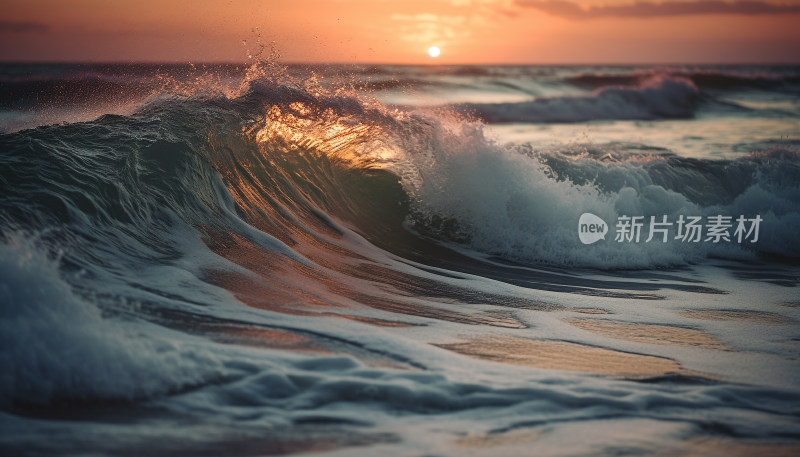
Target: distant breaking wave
(655,98)
(703,79)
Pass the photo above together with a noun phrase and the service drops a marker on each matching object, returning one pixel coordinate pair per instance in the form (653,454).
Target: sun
(434,51)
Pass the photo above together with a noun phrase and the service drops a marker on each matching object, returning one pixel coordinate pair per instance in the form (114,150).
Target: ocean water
(363,260)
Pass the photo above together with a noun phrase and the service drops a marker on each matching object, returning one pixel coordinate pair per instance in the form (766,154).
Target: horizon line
(428,64)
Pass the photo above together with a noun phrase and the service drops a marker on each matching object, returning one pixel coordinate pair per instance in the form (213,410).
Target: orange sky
(400,31)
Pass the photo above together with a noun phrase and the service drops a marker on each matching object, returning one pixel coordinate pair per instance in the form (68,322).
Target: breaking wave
(654,98)
(129,246)
(295,161)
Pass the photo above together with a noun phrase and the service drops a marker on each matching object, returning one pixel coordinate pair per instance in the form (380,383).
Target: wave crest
(656,98)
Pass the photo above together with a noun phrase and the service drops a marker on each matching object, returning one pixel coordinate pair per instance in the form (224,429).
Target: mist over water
(362,260)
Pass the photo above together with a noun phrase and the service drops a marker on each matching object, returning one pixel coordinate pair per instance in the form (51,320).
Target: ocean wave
(654,98)
(20,95)
(311,208)
(704,79)
(295,162)
(51,86)
(523,204)
(57,347)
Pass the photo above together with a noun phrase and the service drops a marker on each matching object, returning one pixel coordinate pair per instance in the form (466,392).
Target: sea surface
(363,260)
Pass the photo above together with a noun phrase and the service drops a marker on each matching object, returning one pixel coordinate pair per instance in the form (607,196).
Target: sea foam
(58,346)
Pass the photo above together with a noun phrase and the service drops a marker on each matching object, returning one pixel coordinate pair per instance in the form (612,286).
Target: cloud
(640,9)
(22,27)
(431,28)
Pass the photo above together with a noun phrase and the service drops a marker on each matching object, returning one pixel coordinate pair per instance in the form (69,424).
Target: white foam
(56,345)
(512,205)
(522,204)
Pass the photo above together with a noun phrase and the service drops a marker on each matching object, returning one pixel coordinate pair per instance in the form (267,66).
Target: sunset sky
(395,31)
